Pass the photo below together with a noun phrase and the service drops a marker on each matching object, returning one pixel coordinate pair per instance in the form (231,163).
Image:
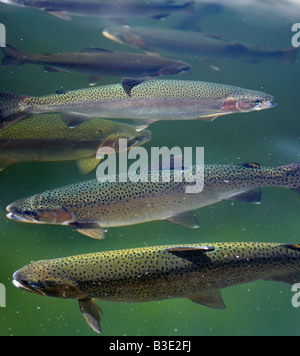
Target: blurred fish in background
(194,44)
(116,10)
(98,62)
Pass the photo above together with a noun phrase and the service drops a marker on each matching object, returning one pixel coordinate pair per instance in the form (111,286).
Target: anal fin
(91,313)
(250,196)
(212,299)
(186,219)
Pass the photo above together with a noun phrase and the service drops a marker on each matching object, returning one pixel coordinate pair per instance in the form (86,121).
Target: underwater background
(270,137)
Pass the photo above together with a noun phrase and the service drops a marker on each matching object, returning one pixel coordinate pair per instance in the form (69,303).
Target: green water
(269,137)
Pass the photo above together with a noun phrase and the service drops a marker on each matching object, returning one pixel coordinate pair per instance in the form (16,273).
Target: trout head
(45,278)
(38,210)
(246,101)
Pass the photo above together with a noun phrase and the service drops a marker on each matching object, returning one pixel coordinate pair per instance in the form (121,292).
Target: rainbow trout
(116,10)
(197,272)
(188,43)
(98,62)
(91,206)
(145,101)
(47,138)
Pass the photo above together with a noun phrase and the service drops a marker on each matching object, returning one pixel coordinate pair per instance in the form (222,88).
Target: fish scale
(194,271)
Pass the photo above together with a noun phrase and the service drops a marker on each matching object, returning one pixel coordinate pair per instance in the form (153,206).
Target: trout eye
(256,102)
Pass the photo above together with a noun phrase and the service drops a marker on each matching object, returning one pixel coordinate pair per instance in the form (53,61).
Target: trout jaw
(34,281)
(58,216)
(26,287)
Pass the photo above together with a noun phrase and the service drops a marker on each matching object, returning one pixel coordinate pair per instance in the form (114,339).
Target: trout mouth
(21,218)
(38,216)
(25,285)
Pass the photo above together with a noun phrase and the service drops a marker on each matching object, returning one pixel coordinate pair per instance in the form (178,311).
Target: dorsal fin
(190,248)
(129,83)
(95,50)
(250,165)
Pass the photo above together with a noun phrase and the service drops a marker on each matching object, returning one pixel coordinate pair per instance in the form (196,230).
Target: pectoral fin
(186,219)
(61,15)
(91,313)
(142,124)
(94,80)
(4,164)
(212,299)
(209,118)
(87,165)
(91,230)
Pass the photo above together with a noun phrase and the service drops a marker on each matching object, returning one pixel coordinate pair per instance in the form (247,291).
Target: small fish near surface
(197,272)
(47,138)
(196,44)
(144,101)
(90,207)
(116,10)
(98,62)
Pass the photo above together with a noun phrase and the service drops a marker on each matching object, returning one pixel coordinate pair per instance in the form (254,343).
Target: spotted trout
(47,138)
(116,10)
(144,101)
(91,206)
(98,62)
(196,271)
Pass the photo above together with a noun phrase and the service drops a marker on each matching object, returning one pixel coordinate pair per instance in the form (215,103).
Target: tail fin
(13,57)
(288,55)
(292,172)
(10,112)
